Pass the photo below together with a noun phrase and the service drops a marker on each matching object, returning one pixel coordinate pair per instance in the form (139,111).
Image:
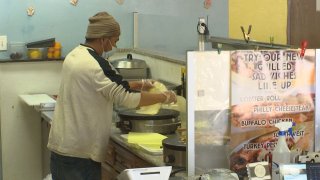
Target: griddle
(162,114)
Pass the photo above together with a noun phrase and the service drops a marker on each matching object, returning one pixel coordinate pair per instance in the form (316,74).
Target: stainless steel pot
(165,122)
(174,152)
(131,68)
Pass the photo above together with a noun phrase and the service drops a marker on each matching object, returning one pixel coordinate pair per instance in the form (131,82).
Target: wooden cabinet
(303,23)
(119,159)
(108,172)
(45,129)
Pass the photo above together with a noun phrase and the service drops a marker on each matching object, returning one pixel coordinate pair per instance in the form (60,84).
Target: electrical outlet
(3,43)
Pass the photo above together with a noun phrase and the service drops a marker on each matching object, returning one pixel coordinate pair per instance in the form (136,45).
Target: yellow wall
(267,17)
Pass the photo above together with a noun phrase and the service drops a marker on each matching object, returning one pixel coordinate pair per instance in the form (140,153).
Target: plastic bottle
(281,153)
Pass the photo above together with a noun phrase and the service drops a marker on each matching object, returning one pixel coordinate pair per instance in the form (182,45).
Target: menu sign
(268,87)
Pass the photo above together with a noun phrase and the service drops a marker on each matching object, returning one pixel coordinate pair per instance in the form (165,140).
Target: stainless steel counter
(47,116)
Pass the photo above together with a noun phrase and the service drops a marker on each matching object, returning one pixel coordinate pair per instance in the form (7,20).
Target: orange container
(55,51)
(50,53)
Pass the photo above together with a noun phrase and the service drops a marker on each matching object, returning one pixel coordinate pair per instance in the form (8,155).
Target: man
(83,115)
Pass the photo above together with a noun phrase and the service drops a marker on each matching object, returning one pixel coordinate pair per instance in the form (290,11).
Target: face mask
(111,52)
(103,52)
(108,54)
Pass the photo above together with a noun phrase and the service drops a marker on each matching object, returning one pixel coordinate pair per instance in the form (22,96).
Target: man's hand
(147,84)
(171,97)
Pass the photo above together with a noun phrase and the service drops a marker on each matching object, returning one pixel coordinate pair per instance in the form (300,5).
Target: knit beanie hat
(102,25)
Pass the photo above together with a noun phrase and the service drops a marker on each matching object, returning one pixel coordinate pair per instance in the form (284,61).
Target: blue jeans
(72,168)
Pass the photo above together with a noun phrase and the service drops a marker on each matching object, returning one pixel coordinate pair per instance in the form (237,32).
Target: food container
(131,68)
(55,51)
(37,53)
(17,50)
(174,152)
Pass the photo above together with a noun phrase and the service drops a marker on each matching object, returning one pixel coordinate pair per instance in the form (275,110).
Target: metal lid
(174,143)
(129,63)
(162,114)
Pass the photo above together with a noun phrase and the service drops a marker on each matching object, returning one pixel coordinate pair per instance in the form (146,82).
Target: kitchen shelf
(28,60)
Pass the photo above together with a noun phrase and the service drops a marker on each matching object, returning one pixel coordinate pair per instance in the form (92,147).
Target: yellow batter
(153,109)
